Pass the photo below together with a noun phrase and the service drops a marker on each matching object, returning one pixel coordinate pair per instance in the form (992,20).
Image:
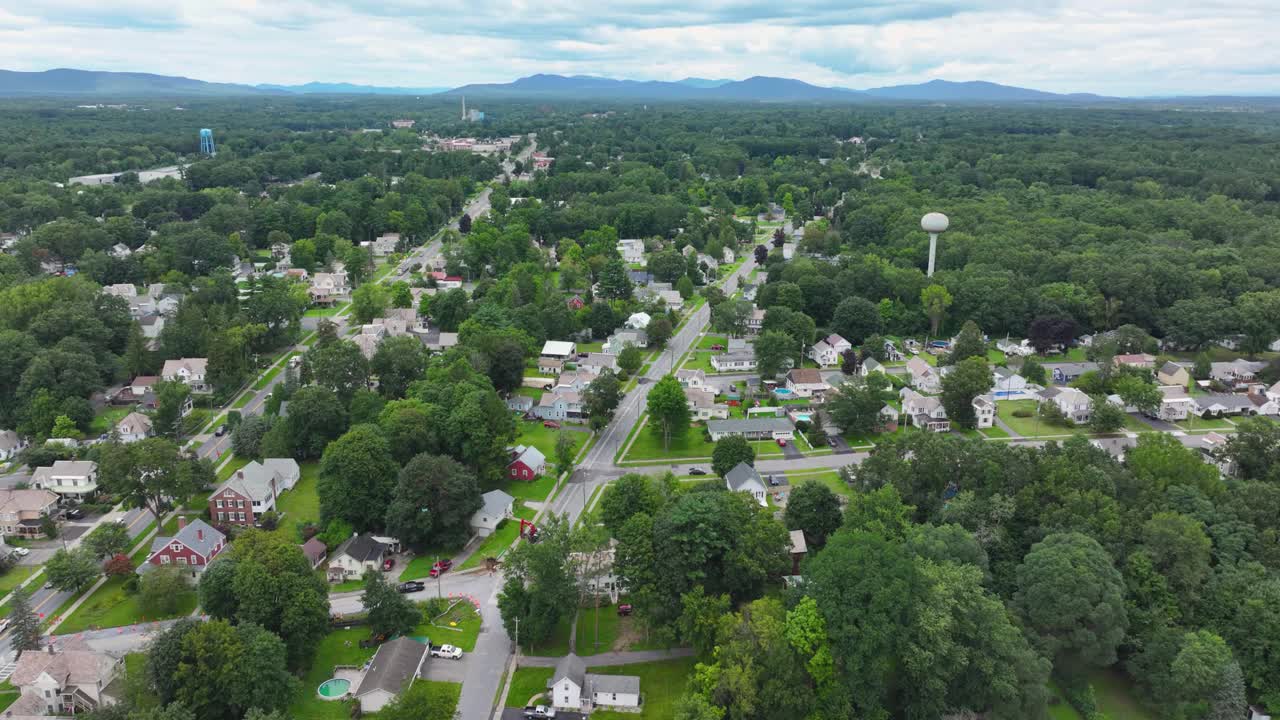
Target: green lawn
(1193,423)
(106,419)
(610,623)
(8,694)
(699,360)
(340,647)
(591,347)
(526,682)
(1029,426)
(500,540)
(460,626)
(537,490)
(235,463)
(272,373)
(1075,354)
(110,606)
(1114,695)
(995,357)
(708,340)
(830,478)
(648,446)
(14,576)
(661,684)
(993,432)
(531,432)
(324,312)
(558,643)
(302,502)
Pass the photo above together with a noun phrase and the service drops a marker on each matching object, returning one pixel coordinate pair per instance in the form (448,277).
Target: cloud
(1133,47)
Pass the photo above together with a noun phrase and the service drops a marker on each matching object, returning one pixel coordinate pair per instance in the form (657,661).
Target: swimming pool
(781,392)
(803,417)
(334,688)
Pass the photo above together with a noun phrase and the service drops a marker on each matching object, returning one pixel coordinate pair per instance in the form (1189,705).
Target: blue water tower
(206,141)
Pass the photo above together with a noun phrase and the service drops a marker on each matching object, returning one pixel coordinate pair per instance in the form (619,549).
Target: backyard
(527,683)
(501,538)
(339,647)
(112,606)
(830,478)
(106,419)
(532,432)
(661,685)
(647,445)
(302,503)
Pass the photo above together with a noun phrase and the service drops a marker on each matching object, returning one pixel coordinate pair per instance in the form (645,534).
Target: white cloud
(1135,47)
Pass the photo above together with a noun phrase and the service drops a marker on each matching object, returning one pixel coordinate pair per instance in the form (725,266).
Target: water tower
(206,141)
(935,224)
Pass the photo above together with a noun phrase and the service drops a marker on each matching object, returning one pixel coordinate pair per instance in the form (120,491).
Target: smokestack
(182,522)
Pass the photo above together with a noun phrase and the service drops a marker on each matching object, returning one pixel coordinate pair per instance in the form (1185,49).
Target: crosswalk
(6,671)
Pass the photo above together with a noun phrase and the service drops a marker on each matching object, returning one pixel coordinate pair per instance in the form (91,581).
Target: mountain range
(100,84)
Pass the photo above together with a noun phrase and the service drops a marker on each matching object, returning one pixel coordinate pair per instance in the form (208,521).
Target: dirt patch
(629,633)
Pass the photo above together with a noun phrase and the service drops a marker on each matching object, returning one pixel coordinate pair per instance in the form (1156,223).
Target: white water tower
(935,224)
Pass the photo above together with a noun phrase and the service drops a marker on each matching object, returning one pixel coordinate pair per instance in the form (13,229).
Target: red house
(575,302)
(527,463)
(194,547)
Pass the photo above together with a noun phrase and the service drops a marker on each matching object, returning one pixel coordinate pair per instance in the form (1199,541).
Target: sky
(1116,47)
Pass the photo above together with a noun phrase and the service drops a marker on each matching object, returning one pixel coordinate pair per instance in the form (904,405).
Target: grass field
(8,694)
(609,625)
(460,626)
(648,446)
(110,606)
(14,576)
(558,643)
(235,463)
(340,647)
(1115,698)
(107,419)
(325,312)
(302,502)
(531,432)
(708,340)
(830,478)
(661,684)
(1029,426)
(272,373)
(527,682)
(537,490)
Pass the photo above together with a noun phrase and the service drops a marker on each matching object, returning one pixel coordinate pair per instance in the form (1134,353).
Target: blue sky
(1121,47)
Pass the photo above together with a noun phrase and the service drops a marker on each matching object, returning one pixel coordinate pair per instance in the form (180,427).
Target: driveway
(1157,424)
(446,670)
(838,444)
(791,452)
(518,714)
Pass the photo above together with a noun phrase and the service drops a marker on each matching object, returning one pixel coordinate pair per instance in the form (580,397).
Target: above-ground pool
(803,417)
(334,689)
(781,391)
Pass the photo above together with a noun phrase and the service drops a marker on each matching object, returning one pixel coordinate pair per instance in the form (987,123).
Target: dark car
(774,480)
(411,586)
(222,430)
(75,514)
(440,567)
(697,471)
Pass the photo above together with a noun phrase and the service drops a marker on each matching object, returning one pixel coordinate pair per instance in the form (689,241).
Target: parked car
(411,586)
(551,424)
(697,471)
(4,625)
(222,430)
(539,712)
(441,567)
(782,442)
(388,563)
(624,609)
(21,551)
(717,347)
(446,651)
(774,481)
(75,514)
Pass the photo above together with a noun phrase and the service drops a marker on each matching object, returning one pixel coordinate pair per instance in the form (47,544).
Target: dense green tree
(397,362)
(773,350)
(668,410)
(815,509)
(970,378)
(433,501)
(357,478)
(601,397)
(729,452)
(390,613)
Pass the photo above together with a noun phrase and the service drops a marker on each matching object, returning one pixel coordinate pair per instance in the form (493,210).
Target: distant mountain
(95,83)
(588,86)
(703,82)
(774,88)
(319,88)
(973,91)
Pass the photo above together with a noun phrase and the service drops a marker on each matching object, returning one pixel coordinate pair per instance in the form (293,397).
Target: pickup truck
(539,712)
(446,651)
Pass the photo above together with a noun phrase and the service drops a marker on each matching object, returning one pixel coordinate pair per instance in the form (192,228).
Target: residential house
(1273,392)
(315,552)
(869,366)
(368,340)
(134,427)
(1015,349)
(638,321)
(889,416)
(21,511)
(121,290)
(120,251)
(727,255)
(575,303)
(788,250)
(671,298)
(632,251)
(1235,372)
(891,352)
(1063,373)
(192,548)
(623,339)
(984,409)
(1213,445)
(807,383)
(1172,373)
(695,379)
(384,245)
(152,326)
(749,291)
(329,288)
(574,380)
(799,548)
(639,277)
(191,372)
(572,687)
(354,556)
(559,349)
(11,443)
(755,321)
(550,366)
(756,428)
(439,341)
(64,679)
(924,412)
(1007,382)
(252,491)
(595,363)
(137,389)
(703,405)
(829,351)
(393,669)
(560,403)
(1137,360)
(924,377)
(738,360)
(520,403)
(745,478)
(527,463)
(497,506)
(1074,404)
(1175,403)
(1219,405)
(76,479)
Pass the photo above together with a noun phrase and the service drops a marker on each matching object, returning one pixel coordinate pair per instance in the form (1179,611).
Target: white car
(4,625)
(21,551)
(446,651)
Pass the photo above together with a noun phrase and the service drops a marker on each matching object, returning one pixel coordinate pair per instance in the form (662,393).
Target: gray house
(393,669)
(745,478)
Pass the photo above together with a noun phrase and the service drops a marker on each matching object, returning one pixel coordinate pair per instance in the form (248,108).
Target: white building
(924,377)
(188,371)
(740,360)
(1175,403)
(1075,405)
(67,478)
(829,351)
(924,412)
(497,507)
(745,478)
(559,349)
(632,251)
(571,687)
(134,427)
(984,410)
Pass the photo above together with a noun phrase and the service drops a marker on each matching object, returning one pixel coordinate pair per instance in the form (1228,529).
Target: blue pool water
(781,391)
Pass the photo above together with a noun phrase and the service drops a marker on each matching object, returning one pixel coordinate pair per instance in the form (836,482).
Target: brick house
(194,547)
(252,491)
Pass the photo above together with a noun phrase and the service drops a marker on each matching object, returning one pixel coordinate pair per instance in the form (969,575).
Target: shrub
(1022,413)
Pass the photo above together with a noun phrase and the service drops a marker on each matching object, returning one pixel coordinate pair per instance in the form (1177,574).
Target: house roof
(1170,368)
(144,381)
(1174,392)
(79,666)
(626,684)
(26,501)
(1135,358)
(197,535)
(1071,395)
(557,347)
(984,401)
(743,477)
(193,366)
(833,340)
(496,502)
(871,364)
(1003,372)
(805,376)
(919,367)
(361,548)
(134,422)
(253,481)
(1229,401)
(395,664)
(66,468)
(690,374)
(314,549)
(602,360)
(570,666)
(530,456)
(550,362)
(764,424)
(9,440)
(797,542)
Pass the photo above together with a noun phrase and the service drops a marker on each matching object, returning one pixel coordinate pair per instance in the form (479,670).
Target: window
(176,547)
(164,559)
(219,506)
(241,517)
(182,560)
(221,516)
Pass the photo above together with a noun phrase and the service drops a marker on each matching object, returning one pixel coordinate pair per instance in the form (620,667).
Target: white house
(695,379)
(188,371)
(1007,381)
(924,412)
(1075,405)
(623,339)
(984,409)
(869,366)
(1175,403)
(595,363)
(560,404)
(924,377)
(354,556)
(134,427)
(638,321)
(632,251)
(329,288)
(67,478)
(755,321)
(745,478)
(703,405)
(11,443)
(807,383)
(829,351)
(559,349)
(66,680)
(740,360)
(755,428)
(671,298)
(496,508)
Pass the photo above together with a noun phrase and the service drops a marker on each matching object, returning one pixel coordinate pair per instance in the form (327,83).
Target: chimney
(182,522)
(200,534)
(240,474)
